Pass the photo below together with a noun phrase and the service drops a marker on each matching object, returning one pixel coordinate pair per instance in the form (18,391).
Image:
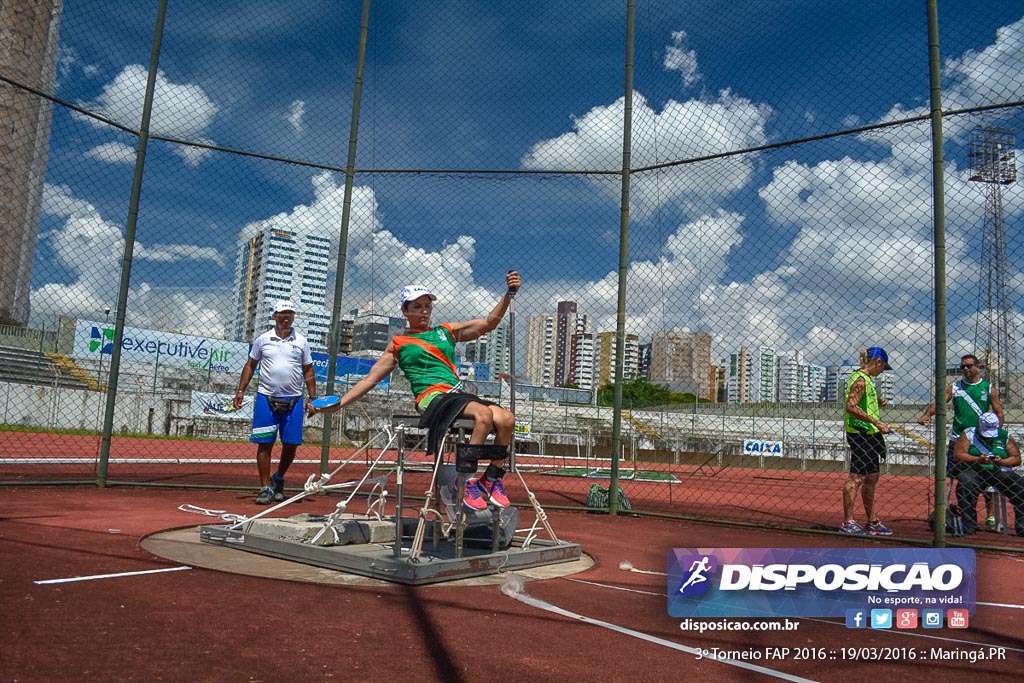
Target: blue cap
(879,353)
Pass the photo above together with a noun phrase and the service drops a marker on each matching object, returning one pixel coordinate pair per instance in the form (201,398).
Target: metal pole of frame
(334,340)
(114,369)
(620,315)
(512,377)
(939,238)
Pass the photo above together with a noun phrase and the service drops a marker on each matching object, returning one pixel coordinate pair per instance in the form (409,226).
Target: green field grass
(605,473)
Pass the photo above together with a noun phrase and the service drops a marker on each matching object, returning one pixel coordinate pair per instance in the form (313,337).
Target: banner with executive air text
(94,339)
(816,582)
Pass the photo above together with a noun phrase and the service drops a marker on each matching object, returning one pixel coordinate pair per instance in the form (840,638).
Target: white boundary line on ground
(618,588)
(999,604)
(698,652)
(109,576)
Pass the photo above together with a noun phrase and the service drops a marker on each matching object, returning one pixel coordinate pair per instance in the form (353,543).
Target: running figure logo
(695,581)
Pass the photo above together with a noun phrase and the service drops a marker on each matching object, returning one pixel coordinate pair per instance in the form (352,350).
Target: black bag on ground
(598,497)
(954,521)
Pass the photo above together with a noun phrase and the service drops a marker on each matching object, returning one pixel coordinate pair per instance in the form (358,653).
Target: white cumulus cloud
(113,153)
(678,58)
(91,247)
(180,110)
(296,112)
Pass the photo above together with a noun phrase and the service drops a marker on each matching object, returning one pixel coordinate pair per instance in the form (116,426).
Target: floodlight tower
(993,162)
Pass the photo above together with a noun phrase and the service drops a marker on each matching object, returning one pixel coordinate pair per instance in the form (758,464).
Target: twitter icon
(881,618)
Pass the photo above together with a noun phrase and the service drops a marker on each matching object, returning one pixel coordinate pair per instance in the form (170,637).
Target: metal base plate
(378,561)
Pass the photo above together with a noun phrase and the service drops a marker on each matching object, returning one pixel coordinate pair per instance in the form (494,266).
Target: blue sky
(822,247)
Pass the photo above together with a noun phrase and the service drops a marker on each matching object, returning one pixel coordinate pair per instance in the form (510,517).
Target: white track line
(110,576)
(548,607)
(618,588)
(999,604)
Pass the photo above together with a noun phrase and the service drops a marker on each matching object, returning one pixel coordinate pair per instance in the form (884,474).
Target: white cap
(988,425)
(284,305)
(413,292)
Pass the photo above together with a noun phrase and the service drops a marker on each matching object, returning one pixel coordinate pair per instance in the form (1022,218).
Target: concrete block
(347,529)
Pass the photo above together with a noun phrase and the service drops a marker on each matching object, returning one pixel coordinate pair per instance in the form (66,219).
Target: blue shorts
(266,424)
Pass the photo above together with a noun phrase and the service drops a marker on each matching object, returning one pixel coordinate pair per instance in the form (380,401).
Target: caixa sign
(759,447)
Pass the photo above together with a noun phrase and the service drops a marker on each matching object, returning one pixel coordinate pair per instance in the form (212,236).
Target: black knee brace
(468,454)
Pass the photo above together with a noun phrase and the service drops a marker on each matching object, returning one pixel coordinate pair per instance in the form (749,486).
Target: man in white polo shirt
(285,362)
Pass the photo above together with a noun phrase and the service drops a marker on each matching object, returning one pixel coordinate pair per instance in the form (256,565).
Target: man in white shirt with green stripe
(970,396)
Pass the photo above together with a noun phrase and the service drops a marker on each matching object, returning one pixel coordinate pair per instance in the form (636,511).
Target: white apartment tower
(282,264)
(493,349)
(581,367)
(540,350)
(752,376)
(800,381)
(604,354)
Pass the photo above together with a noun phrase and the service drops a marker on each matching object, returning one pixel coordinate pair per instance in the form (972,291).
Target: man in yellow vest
(864,430)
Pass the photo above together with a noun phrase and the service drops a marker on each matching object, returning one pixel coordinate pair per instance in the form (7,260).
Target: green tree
(641,393)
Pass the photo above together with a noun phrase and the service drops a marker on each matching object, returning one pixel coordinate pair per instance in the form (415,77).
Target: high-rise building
(718,384)
(581,368)
(678,356)
(736,377)
(604,358)
(491,349)
(540,350)
(28,54)
(800,381)
(372,329)
(752,376)
(565,328)
(569,323)
(763,375)
(645,361)
(279,264)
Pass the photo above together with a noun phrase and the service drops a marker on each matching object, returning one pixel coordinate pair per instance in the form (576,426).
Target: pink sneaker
(474,497)
(494,490)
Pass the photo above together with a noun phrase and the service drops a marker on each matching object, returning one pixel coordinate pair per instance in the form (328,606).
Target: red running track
(204,625)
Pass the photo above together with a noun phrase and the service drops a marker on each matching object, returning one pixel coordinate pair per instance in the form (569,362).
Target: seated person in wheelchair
(985,456)
(426,354)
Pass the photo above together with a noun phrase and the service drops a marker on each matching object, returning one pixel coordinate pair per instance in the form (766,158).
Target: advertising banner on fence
(759,447)
(164,348)
(347,371)
(818,582)
(206,404)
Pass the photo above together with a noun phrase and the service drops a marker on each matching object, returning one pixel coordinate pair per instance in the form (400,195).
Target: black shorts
(866,452)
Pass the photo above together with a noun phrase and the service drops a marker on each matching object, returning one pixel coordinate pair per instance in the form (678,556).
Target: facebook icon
(856,618)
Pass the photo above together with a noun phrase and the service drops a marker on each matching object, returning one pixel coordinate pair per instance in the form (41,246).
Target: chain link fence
(173,169)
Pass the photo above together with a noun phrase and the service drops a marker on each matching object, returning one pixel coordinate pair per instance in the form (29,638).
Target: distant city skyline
(759,244)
